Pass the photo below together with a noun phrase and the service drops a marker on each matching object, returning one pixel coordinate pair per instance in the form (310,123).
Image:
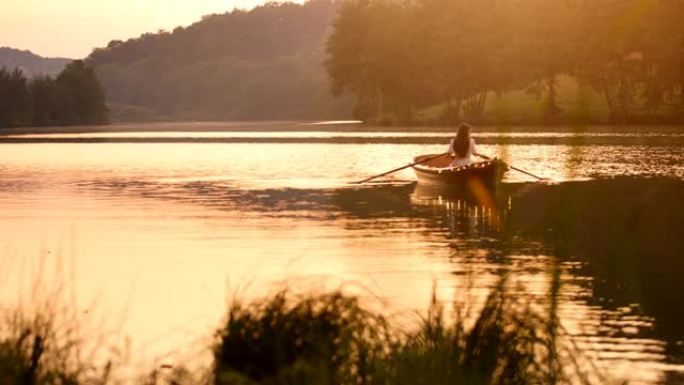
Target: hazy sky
(71,28)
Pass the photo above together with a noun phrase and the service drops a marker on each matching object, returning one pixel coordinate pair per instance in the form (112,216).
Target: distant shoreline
(304,126)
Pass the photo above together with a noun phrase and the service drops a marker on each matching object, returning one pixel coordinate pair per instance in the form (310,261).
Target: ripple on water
(179,220)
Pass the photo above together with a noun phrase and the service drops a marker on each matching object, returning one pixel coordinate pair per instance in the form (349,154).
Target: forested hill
(29,63)
(260,64)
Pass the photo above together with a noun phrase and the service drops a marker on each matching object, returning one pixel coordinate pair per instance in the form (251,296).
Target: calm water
(148,234)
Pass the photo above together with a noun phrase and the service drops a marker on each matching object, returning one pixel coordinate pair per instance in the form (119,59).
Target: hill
(243,65)
(31,64)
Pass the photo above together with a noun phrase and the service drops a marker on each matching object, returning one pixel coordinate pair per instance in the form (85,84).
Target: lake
(148,231)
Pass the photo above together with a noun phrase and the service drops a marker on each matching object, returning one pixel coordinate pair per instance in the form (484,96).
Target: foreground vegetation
(74,97)
(328,339)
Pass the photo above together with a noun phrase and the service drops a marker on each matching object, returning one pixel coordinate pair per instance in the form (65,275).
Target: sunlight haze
(219,192)
(72,28)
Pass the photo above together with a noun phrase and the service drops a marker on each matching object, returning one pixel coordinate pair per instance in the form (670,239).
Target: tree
(45,97)
(83,100)
(75,97)
(14,98)
(396,56)
(265,63)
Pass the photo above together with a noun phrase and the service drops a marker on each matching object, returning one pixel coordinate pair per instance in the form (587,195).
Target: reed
(322,339)
(331,339)
(319,339)
(42,349)
(42,336)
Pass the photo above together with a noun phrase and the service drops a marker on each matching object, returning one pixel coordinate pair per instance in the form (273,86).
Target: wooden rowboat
(437,171)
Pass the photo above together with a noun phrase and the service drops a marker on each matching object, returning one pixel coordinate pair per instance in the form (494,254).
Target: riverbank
(324,126)
(348,133)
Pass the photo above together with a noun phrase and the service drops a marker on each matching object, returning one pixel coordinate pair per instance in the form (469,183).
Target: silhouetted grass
(508,343)
(42,341)
(322,339)
(331,339)
(34,350)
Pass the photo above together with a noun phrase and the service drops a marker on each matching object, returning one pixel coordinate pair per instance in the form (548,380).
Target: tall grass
(41,349)
(42,340)
(331,339)
(321,339)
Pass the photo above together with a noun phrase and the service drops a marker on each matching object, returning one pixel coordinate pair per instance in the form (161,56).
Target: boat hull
(488,173)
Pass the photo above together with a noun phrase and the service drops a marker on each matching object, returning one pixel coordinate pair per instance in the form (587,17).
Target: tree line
(265,63)
(73,97)
(400,57)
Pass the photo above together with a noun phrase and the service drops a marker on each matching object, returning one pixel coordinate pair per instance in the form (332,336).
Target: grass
(578,104)
(42,341)
(34,350)
(322,339)
(331,339)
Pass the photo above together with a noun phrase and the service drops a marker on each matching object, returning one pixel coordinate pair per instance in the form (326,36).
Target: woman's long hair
(462,141)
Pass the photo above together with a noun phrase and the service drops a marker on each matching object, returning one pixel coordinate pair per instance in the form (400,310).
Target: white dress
(460,162)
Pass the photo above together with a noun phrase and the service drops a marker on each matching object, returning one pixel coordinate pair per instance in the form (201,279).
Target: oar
(401,168)
(515,168)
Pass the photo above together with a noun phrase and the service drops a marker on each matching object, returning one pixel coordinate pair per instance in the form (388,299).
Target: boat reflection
(470,210)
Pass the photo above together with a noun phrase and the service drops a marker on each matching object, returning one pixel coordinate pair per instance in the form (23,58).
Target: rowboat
(437,171)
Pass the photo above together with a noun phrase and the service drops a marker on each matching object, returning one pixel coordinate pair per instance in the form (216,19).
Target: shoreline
(314,126)
(659,140)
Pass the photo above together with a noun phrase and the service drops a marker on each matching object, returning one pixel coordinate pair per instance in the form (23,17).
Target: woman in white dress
(462,147)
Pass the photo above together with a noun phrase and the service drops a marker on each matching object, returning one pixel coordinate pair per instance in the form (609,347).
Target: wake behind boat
(437,171)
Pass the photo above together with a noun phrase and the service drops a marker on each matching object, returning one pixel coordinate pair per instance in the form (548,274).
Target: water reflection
(617,240)
(626,231)
(622,231)
(165,226)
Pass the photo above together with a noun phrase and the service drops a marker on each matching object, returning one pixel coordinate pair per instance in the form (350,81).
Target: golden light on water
(155,238)
(136,237)
(160,272)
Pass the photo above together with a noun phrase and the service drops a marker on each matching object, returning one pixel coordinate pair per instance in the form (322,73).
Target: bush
(331,339)
(326,339)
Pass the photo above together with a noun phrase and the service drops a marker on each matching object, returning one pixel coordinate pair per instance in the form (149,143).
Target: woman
(462,147)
